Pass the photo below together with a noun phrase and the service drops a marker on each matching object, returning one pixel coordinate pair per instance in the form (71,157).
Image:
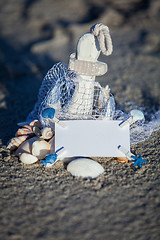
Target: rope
(102,33)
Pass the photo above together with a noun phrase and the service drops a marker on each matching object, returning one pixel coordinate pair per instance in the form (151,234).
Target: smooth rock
(84,167)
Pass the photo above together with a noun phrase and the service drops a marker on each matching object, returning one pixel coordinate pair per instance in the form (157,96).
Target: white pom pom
(84,167)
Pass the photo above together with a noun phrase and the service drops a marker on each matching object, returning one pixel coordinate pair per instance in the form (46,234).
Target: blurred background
(35,34)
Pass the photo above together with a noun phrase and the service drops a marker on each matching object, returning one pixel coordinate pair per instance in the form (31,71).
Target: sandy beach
(38,203)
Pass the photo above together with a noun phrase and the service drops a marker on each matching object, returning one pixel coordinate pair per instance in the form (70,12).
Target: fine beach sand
(38,203)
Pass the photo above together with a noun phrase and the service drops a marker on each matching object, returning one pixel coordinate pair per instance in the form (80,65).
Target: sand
(39,203)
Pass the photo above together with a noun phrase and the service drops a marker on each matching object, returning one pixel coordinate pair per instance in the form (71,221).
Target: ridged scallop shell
(47,133)
(24,131)
(16,142)
(28,127)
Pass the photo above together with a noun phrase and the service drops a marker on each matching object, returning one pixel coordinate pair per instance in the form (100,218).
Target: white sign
(92,138)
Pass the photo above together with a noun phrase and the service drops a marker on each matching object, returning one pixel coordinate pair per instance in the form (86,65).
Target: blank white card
(92,138)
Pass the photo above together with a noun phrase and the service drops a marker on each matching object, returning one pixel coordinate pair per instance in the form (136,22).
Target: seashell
(37,131)
(47,133)
(84,167)
(24,131)
(52,144)
(36,123)
(122,159)
(40,149)
(28,127)
(27,158)
(26,147)
(16,142)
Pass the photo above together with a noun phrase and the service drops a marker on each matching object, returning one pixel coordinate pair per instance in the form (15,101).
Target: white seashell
(26,147)
(16,142)
(35,123)
(28,158)
(84,167)
(47,133)
(40,149)
(24,131)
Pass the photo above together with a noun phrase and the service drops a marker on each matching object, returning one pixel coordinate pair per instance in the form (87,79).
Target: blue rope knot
(138,161)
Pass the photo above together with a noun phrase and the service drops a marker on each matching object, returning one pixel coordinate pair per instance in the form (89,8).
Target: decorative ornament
(70,96)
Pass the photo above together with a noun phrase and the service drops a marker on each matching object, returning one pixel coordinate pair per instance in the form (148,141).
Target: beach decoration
(24,133)
(53,158)
(135,115)
(48,114)
(36,147)
(47,133)
(75,118)
(85,167)
(131,157)
(84,62)
(72,90)
(92,138)
(27,158)
(15,142)
(31,142)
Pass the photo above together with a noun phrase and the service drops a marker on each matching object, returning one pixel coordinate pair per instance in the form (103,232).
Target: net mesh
(142,130)
(75,98)
(72,97)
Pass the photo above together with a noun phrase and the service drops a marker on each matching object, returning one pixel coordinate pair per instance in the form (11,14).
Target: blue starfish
(50,158)
(138,161)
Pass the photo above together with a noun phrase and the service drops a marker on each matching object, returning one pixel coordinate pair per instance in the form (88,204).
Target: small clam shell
(122,159)
(35,123)
(26,147)
(27,158)
(16,142)
(40,149)
(84,167)
(24,131)
(47,133)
